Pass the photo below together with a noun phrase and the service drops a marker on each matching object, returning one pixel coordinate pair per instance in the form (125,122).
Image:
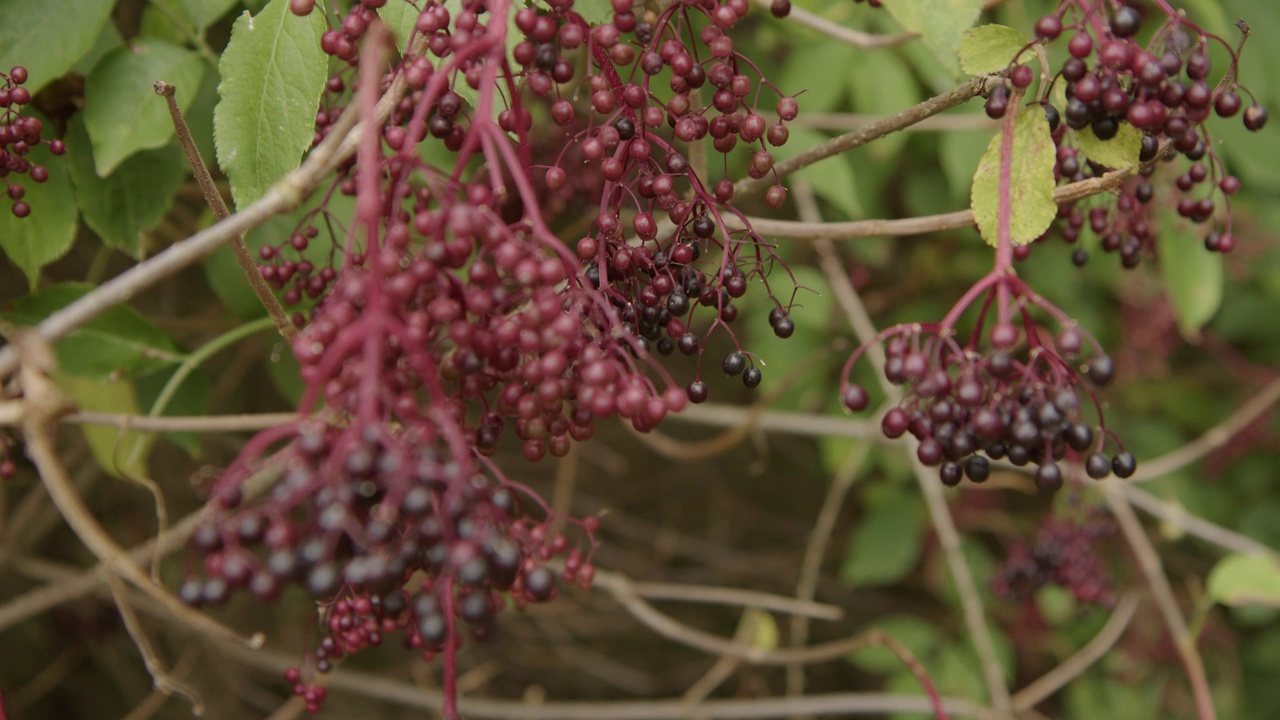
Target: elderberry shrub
(1064,553)
(1001,395)
(1161,89)
(18,134)
(451,313)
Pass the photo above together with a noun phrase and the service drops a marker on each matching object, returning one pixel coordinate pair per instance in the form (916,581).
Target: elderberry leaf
(1117,153)
(50,36)
(884,86)
(129,201)
(48,232)
(1029,172)
(1193,277)
(273,72)
(206,12)
(119,342)
(941,24)
(122,112)
(886,544)
(191,399)
(120,454)
(400,18)
(1245,579)
(990,48)
(109,39)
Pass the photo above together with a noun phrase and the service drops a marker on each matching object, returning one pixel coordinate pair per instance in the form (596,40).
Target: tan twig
(43,403)
(723,668)
(1046,685)
(1153,570)
(248,265)
(1178,517)
(1213,438)
(379,687)
(836,31)
(193,423)
(712,595)
(872,131)
(164,681)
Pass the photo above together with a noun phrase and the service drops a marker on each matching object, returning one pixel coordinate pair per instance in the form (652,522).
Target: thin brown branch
(836,31)
(43,403)
(1153,570)
(379,687)
(1046,685)
(1177,517)
(192,423)
(868,133)
(1213,438)
(211,195)
(857,229)
(164,681)
(725,596)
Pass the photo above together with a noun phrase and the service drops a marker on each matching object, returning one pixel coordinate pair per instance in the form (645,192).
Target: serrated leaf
(886,543)
(1030,175)
(122,112)
(273,72)
(991,48)
(118,342)
(1245,579)
(48,232)
(1117,153)
(941,24)
(119,454)
(206,12)
(130,201)
(49,36)
(1193,276)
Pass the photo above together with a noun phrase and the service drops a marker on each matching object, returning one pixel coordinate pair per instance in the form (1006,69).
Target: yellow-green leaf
(1030,181)
(1193,276)
(991,48)
(119,453)
(1117,153)
(941,24)
(273,72)
(1242,579)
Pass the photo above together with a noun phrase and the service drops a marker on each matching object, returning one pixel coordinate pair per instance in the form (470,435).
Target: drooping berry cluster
(18,134)
(452,314)
(1021,395)
(1113,83)
(1065,553)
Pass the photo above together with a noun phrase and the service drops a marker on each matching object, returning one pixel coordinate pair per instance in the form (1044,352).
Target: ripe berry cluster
(18,134)
(1021,395)
(1162,89)
(1064,553)
(453,314)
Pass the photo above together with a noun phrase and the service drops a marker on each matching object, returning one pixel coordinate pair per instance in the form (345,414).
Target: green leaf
(169,23)
(884,86)
(921,637)
(122,112)
(130,201)
(886,544)
(206,12)
(990,48)
(273,72)
(400,17)
(1030,181)
(109,39)
(1241,579)
(1193,276)
(594,12)
(191,399)
(48,232)
(49,36)
(119,454)
(1117,153)
(959,153)
(941,24)
(118,342)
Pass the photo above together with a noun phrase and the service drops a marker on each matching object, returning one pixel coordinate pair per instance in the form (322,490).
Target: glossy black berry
(734,363)
(1124,465)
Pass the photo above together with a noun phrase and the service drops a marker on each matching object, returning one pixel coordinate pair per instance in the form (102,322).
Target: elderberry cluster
(1162,89)
(18,134)
(1005,395)
(1064,553)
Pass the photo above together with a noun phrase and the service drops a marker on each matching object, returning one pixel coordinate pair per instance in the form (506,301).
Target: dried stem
(248,265)
(1046,685)
(836,31)
(1149,562)
(164,681)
